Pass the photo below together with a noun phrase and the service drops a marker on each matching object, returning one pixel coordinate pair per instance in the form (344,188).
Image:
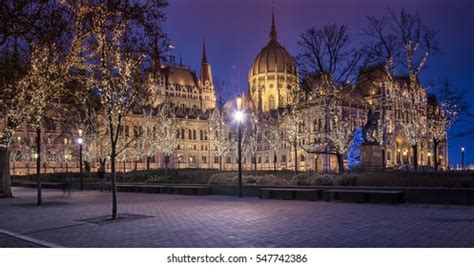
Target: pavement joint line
(54,228)
(30,239)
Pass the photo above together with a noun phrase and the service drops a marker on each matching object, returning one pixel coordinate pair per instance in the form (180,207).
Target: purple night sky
(236,30)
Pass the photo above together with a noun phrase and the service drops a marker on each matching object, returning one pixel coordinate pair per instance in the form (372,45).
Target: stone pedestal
(371,157)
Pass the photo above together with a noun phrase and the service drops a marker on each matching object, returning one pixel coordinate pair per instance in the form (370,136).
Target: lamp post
(80,141)
(462,158)
(239,117)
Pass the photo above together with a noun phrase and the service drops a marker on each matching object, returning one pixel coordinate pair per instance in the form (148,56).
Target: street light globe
(239,102)
(462,149)
(80,141)
(239,116)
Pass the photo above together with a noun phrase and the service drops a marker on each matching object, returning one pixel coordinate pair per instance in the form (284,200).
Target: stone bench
(190,190)
(127,188)
(153,189)
(365,196)
(290,193)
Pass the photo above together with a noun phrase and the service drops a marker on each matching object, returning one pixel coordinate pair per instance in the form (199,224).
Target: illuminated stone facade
(272,87)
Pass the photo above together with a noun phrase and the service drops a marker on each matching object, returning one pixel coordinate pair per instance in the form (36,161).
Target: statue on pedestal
(370,128)
(371,151)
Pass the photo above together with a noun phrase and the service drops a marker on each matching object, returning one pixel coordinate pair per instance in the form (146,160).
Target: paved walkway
(226,221)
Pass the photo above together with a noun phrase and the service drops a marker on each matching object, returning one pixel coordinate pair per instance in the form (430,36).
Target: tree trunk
(340,162)
(147,163)
(296,156)
(124,170)
(114,188)
(220,163)
(415,157)
(255,162)
(5,180)
(435,153)
(38,165)
(383,159)
(167,160)
(274,161)
(80,168)
(136,165)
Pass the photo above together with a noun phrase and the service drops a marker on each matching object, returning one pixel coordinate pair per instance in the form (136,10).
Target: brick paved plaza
(226,221)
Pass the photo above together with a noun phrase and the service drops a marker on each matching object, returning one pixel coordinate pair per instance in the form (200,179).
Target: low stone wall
(449,196)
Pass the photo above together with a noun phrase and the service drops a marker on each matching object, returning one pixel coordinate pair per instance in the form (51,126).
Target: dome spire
(204,58)
(273,32)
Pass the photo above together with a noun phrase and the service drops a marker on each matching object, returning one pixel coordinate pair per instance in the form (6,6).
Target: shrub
(347,179)
(304,178)
(222,178)
(266,180)
(322,180)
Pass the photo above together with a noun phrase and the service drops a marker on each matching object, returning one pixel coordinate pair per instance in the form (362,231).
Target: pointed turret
(204,57)
(206,74)
(273,32)
(208,98)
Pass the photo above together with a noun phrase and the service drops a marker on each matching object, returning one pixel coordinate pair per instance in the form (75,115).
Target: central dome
(273,81)
(273,58)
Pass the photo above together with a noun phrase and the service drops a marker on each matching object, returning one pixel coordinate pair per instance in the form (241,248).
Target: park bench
(43,185)
(365,196)
(190,190)
(127,188)
(153,189)
(290,193)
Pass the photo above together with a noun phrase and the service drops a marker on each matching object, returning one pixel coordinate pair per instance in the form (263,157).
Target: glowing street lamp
(462,158)
(239,116)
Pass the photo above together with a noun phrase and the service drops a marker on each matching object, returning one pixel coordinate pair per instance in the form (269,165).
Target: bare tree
(28,26)
(450,109)
(223,93)
(219,134)
(166,137)
(326,51)
(273,137)
(402,43)
(293,127)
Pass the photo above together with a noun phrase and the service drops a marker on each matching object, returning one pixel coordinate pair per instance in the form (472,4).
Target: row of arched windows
(192,134)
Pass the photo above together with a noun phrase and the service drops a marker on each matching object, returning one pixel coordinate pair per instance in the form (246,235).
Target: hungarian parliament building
(273,83)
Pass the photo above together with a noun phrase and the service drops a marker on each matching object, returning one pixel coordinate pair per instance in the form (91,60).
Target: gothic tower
(208,98)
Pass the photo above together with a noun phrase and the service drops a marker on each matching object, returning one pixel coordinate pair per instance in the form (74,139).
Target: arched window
(302,158)
(201,135)
(194,134)
(190,134)
(271,103)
